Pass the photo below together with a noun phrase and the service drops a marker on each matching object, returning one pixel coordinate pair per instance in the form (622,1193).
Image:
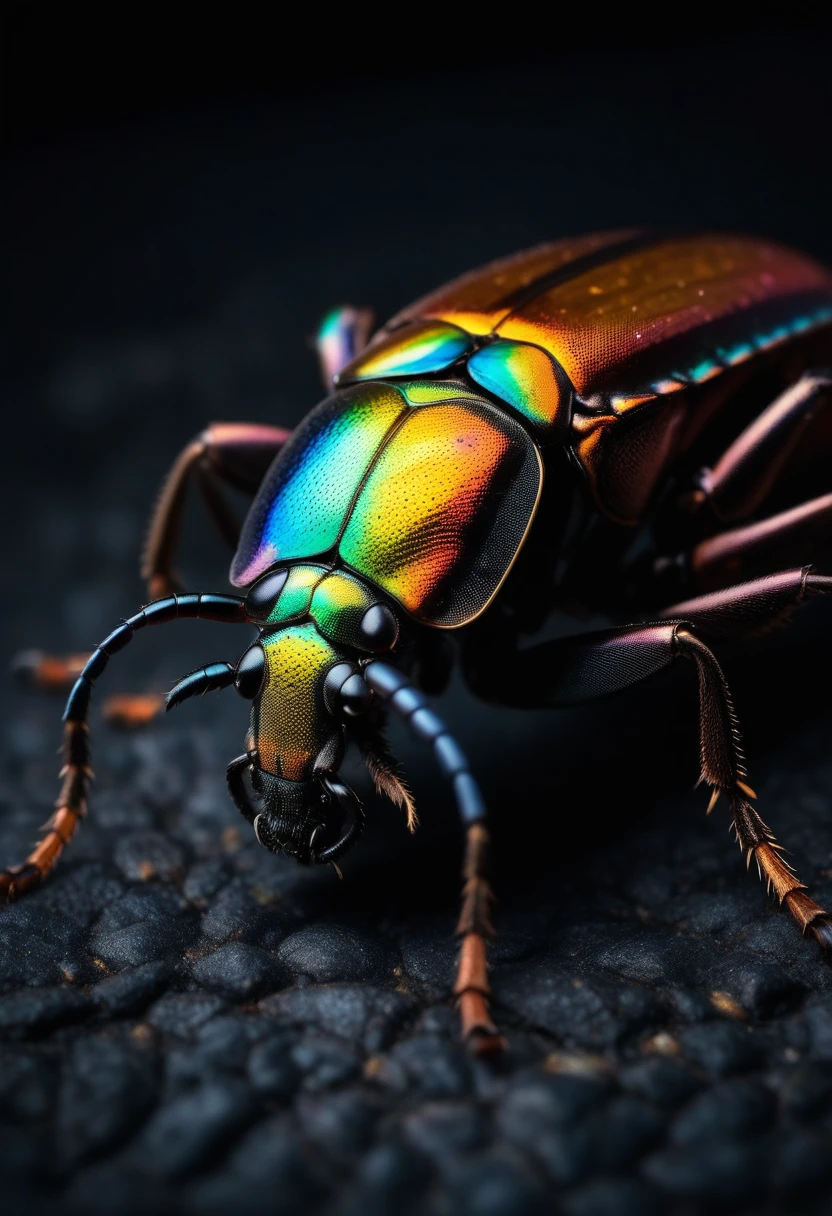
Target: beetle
(629,422)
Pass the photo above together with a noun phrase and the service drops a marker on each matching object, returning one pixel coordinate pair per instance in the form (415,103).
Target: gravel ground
(190,1024)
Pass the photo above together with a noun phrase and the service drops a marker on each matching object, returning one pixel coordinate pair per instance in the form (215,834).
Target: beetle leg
(474,927)
(749,609)
(722,757)
(572,670)
(76,773)
(57,673)
(801,535)
(235,453)
(341,337)
(750,468)
(47,672)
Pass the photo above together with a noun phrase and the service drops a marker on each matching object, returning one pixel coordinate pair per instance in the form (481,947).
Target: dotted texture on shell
(685,295)
(446,507)
(300,508)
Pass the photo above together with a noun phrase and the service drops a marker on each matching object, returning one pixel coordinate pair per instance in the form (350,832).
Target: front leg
(578,669)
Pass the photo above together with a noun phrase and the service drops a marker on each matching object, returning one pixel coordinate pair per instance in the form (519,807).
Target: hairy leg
(76,773)
(573,670)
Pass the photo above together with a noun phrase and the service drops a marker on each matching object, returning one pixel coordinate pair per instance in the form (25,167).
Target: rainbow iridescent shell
(629,316)
(431,502)
(423,472)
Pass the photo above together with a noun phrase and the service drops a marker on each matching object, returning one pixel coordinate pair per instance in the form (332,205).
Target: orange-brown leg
(70,808)
(723,768)
(76,773)
(757,840)
(573,670)
(474,928)
(48,672)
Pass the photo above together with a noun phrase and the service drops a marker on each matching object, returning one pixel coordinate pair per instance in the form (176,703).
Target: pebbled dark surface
(189,1024)
(227,1028)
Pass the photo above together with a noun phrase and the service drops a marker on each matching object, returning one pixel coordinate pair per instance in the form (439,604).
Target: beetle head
(303,676)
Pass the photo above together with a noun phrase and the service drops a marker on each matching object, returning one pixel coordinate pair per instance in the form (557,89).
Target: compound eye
(379,629)
(251,670)
(263,596)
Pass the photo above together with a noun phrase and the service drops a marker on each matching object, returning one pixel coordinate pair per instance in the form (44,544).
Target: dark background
(182,202)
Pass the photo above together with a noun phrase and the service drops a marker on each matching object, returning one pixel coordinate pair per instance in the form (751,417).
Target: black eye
(264,595)
(336,677)
(250,672)
(355,696)
(346,692)
(379,628)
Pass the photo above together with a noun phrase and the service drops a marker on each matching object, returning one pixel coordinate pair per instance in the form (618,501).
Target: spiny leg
(474,928)
(743,611)
(71,805)
(236,454)
(573,670)
(723,768)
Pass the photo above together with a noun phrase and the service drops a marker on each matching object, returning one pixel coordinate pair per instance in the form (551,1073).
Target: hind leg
(784,443)
(574,670)
(234,454)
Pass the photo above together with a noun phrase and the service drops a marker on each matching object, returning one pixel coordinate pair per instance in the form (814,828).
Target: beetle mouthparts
(313,822)
(278,836)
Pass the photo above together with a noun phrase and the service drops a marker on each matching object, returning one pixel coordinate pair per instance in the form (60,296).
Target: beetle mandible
(628,421)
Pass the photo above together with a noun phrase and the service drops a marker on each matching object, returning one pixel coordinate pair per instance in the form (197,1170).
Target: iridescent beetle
(588,423)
